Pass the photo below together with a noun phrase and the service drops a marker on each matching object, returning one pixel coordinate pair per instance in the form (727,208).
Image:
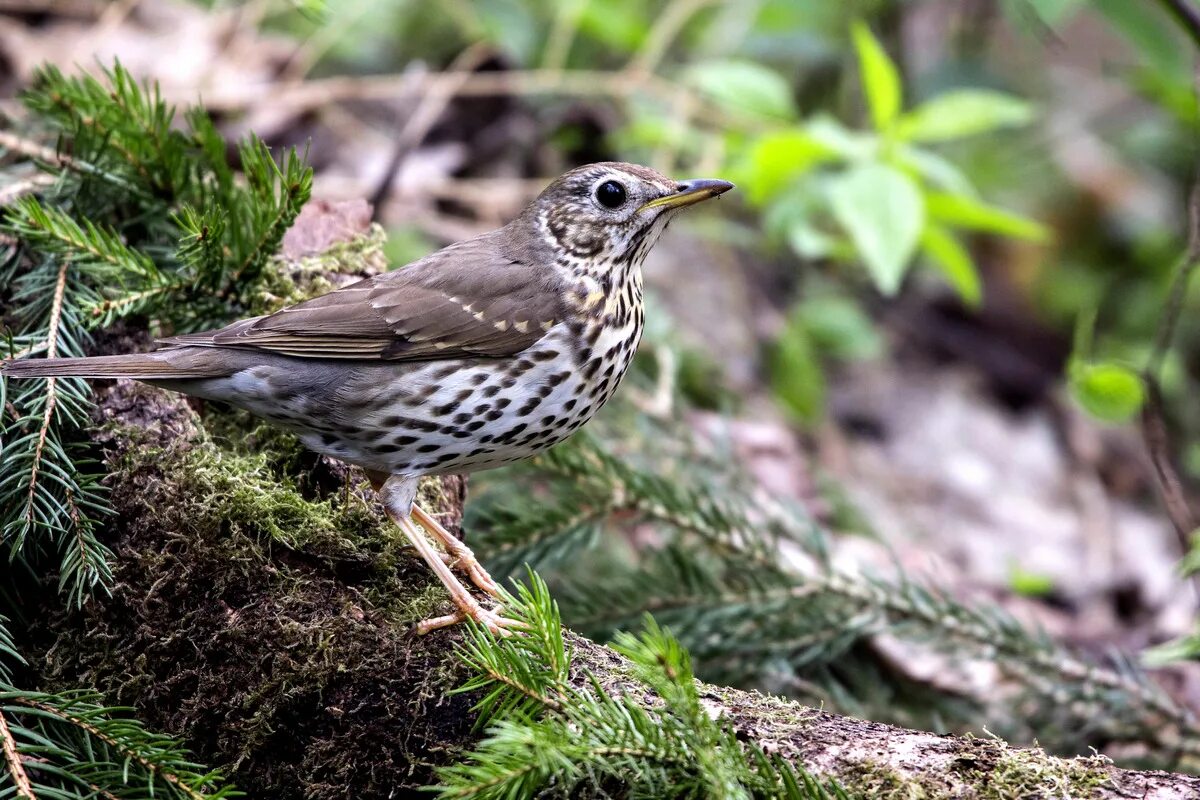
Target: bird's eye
(610,194)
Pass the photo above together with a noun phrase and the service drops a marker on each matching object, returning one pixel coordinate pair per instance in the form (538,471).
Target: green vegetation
(542,731)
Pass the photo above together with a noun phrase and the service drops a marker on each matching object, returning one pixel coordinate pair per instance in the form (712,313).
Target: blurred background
(897,435)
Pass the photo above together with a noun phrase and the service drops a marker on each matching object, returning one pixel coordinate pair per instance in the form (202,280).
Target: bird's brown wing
(465,300)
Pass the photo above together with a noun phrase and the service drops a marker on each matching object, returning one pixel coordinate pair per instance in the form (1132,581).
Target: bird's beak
(689,192)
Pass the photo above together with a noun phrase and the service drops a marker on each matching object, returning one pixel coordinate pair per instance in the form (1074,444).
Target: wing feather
(469,299)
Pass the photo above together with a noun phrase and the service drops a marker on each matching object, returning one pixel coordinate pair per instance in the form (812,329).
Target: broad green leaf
(1029,584)
(851,145)
(966,212)
(1053,12)
(777,158)
(880,79)
(1150,32)
(838,327)
(809,241)
(621,26)
(1108,391)
(933,168)
(797,379)
(744,87)
(947,254)
(961,113)
(883,211)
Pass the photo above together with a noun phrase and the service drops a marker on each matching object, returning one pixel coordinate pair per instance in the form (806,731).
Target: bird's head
(608,214)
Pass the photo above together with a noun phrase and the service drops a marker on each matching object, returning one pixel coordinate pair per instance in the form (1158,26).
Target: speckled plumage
(483,353)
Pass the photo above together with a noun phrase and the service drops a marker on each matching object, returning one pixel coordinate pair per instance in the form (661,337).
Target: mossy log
(269,623)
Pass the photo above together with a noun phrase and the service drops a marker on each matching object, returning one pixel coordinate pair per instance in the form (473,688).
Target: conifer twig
(129,753)
(12,756)
(60,287)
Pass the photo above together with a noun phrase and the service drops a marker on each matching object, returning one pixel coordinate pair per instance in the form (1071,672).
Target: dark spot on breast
(478,378)
(445,409)
(544,355)
(590,369)
(412,423)
(476,425)
(489,391)
(504,402)
(495,415)
(445,372)
(482,408)
(462,418)
(529,406)
(428,448)
(402,440)
(570,404)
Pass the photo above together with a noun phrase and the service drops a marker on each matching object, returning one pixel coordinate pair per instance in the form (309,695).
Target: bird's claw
(490,618)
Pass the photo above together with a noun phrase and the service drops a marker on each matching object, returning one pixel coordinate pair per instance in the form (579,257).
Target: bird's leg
(463,557)
(397,494)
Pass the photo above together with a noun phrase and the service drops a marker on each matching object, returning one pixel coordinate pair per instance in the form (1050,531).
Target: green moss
(881,782)
(229,492)
(1032,773)
(290,282)
(269,630)
(990,770)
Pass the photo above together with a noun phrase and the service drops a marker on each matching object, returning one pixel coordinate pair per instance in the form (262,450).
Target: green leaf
(880,79)
(961,113)
(1108,391)
(744,87)
(809,241)
(849,144)
(1184,648)
(838,328)
(933,168)
(949,257)
(777,158)
(1029,584)
(966,212)
(883,211)
(797,379)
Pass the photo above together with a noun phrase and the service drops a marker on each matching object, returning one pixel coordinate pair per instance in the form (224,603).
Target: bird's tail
(162,365)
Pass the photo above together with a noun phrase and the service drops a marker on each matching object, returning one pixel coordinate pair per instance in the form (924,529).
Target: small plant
(883,196)
(545,730)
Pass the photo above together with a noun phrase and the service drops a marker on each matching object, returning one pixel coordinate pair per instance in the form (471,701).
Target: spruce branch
(717,576)
(72,743)
(12,758)
(544,731)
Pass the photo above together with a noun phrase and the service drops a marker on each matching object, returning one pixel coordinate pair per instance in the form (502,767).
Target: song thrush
(483,353)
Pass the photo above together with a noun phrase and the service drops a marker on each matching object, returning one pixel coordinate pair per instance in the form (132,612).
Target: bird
(486,352)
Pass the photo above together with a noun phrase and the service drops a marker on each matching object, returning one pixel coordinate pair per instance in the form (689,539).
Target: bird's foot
(461,556)
(492,619)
